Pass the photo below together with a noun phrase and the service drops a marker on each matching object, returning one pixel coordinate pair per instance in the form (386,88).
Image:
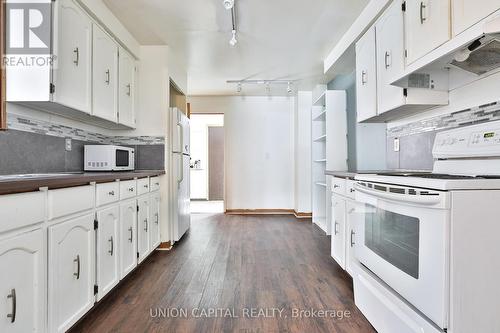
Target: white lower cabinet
(154,218)
(23,283)
(128,241)
(143,228)
(71,271)
(108,274)
(338,230)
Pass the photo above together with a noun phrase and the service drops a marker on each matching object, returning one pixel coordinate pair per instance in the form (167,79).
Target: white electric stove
(428,244)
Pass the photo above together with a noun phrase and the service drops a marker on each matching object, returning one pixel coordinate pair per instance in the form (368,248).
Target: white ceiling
(277,39)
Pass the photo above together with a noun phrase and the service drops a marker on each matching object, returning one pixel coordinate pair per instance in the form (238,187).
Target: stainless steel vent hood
(479,57)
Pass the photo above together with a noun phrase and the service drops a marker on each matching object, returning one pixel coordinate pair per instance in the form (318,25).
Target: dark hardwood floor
(234,265)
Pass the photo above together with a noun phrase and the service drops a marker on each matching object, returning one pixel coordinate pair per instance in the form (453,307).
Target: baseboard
(164,246)
(299,215)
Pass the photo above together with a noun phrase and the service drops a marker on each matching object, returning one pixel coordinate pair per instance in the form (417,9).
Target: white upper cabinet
(22,284)
(468,12)
(108,274)
(105,75)
(72,48)
(390,57)
(126,88)
(366,76)
(427,26)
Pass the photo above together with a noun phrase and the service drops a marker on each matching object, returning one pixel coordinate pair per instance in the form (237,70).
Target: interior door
(22,283)
(126,90)
(72,47)
(108,273)
(427,26)
(366,76)
(154,217)
(71,271)
(468,12)
(143,228)
(128,233)
(390,57)
(105,68)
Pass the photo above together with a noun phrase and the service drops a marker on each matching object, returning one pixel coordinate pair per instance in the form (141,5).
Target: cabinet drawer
(142,186)
(107,193)
(338,185)
(349,191)
(154,183)
(128,189)
(71,200)
(20,210)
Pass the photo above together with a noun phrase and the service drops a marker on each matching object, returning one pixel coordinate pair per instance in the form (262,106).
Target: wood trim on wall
(3,109)
(299,215)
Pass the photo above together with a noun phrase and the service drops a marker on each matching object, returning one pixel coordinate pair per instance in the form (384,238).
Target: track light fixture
(233,41)
(238,88)
(289,88)
(266,83)
(228,4)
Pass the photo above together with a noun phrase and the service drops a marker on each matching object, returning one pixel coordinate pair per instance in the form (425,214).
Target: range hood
(479,57)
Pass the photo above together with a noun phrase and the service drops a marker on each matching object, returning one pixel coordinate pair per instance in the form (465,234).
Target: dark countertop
(352,174)
(11,185)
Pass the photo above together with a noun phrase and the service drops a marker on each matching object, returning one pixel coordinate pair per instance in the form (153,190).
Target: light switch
(396,144)
(68,144)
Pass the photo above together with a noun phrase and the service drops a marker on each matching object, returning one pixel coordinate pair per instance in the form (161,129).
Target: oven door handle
(416,199)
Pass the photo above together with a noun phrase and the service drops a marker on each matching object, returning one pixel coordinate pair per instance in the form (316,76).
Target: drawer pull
(131,234)
(131,189)
(146,186)
(352,190)
(77,261)
(112,246)
(336,186)
(157,184)
(12,315)
(112,193)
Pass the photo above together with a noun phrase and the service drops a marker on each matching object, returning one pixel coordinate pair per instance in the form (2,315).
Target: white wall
(259,139)
(302,125)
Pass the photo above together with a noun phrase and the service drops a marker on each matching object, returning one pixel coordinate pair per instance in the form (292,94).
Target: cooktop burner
(437,175)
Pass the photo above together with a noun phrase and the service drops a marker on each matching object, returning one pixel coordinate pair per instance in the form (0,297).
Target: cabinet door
(468,12)
(143,228)
(126,88)
(72,47)
(390,57)
(108,273)
(338,230)
(128,233)
(154,217)
(22,283)
(366,76)
(427,26)
(104,75)
(71,271)
(350,223)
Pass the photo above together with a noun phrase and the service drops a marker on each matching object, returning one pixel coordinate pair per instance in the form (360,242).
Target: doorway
(207,163)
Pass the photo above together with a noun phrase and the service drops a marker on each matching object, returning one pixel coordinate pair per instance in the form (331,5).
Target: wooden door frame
(3,109)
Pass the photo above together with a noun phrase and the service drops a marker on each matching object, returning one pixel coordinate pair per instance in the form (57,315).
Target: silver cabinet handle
(335,230)
(157,218)
(422,8)
(351,211)
(336,186)
(77,260)
(146,225)
(146,186)
(12,296)
(131,189)
(76,51)
(386,59)
(111,193)
(107,77)
(112,246)
(363,77)
(352,190)
(128,89)
(131,234)
(157,184)
(352,238)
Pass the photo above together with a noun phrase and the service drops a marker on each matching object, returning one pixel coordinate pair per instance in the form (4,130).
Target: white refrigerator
(180,171)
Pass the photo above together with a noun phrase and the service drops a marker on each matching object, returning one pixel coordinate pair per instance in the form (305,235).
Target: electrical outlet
(68,144)
(396,144)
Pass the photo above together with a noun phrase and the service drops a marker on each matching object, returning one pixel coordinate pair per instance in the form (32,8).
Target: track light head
(289,88)
(238,88)
(228,4)
(233,41)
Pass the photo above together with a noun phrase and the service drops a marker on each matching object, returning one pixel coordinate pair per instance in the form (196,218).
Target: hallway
(234,265)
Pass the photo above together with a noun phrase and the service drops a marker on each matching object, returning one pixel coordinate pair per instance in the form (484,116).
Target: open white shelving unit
(329,149)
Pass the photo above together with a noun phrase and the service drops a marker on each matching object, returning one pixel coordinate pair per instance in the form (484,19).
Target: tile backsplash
(417,138)
(34,146)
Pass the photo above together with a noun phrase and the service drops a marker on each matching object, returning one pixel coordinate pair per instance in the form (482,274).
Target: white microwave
(108,158)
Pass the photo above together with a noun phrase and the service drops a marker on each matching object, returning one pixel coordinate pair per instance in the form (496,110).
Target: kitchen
(360,166)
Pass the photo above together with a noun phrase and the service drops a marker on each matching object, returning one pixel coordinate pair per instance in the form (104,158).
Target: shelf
(320,160)
(321,116)
(320,184)
(321,100)
(321,138)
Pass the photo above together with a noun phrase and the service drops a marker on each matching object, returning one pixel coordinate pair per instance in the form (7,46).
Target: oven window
(122,159)
(394,237)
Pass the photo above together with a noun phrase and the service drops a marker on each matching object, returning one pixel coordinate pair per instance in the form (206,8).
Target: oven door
(402,237)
